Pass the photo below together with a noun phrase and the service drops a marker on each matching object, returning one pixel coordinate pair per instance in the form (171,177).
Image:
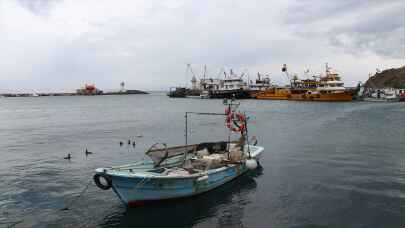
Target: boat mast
(247,136)
(186,130)
(229,134)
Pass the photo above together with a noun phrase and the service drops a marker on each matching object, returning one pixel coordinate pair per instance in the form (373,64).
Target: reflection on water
(226,203)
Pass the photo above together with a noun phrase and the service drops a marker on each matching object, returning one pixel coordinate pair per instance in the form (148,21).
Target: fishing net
(160,152)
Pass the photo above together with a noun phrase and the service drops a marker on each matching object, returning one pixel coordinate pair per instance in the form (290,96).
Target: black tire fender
(97,180)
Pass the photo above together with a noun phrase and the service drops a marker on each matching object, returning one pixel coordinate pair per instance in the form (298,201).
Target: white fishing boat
(232,86)
(261,83)
(383,95)
(184,171)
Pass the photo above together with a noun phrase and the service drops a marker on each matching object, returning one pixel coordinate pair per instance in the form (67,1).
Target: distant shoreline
(127,92)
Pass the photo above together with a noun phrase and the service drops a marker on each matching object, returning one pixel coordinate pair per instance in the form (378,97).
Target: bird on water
(88,152)
(68,157)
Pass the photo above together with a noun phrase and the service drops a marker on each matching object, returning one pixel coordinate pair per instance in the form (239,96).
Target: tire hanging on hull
(97,179)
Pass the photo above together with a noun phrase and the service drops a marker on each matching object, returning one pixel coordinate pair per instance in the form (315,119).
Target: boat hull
(229,94)
(140,191)
(302,95)
(322,97)
(372,99)
(274,94)
(139,186)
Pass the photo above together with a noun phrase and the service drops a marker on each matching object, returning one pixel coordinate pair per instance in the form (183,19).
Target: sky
(59,45)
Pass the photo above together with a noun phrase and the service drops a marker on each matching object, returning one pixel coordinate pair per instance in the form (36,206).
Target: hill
(394,78)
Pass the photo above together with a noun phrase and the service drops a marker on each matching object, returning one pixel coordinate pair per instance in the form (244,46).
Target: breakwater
(127,92)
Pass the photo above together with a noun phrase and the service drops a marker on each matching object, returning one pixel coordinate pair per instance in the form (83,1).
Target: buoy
(121,143)
(251,164)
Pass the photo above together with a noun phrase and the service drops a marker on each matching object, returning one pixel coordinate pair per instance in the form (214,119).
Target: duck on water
(184,171)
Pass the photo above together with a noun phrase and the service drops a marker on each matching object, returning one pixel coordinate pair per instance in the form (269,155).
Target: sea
(325,164)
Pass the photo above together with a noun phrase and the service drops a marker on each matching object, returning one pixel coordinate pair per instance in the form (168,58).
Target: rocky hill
(394,78)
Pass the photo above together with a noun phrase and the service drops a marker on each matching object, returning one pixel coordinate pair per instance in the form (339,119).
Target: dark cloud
(38,7)
(354,25)
(307,11)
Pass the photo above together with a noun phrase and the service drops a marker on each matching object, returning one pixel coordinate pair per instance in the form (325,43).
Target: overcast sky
(58,45)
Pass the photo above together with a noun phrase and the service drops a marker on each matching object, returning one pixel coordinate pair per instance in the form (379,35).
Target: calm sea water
(325,164)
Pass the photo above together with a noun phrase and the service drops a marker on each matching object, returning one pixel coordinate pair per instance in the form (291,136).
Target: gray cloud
(60,45)
(355,25)
(39,7)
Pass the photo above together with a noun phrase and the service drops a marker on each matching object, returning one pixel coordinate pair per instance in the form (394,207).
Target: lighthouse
(122,85)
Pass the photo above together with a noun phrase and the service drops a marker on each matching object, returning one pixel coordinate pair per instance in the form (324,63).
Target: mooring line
(11,224)
(77,197)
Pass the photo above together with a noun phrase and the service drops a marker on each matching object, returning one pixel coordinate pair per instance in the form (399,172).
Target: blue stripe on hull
(132,190)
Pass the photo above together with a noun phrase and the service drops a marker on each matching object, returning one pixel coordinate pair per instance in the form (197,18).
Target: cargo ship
(324,88)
